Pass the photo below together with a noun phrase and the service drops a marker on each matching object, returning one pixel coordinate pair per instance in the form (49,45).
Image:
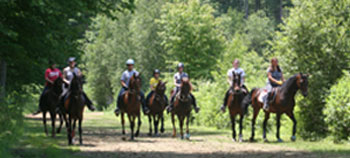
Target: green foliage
(337,109)
(190,35)
(315,40)
(231,23)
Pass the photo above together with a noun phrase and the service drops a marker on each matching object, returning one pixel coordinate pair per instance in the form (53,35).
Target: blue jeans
(120,99)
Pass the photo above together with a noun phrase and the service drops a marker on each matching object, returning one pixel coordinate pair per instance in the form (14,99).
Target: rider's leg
(40,99)
(194,103)
(171,106)
(143,103)
(119,101)
(245,90)
(149,97)
(266,98)
(225,100)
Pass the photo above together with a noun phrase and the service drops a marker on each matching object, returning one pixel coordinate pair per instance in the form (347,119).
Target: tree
(190,35)
(315,40)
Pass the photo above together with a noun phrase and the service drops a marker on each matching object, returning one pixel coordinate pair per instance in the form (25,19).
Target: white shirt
(127,75)
(236,71)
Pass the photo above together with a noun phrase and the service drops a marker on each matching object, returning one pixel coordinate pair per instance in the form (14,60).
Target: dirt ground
(108,142)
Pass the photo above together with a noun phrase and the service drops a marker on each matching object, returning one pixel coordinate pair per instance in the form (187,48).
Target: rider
(177,81)
(153,85)
(275,79)
(237,70)
(124,81)
(68,74)
(51,74)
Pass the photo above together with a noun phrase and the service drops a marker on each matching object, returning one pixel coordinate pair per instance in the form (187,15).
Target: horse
(157,105)
(234,104)
(131,105)
(49,102)
(282,102)
(182,108)
(74,108)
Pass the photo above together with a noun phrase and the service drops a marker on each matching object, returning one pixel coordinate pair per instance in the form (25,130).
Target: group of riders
(274,79)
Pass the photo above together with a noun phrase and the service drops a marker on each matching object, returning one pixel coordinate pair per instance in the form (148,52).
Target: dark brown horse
(74,108)
(182,108)
(234,104)
(282,102)
(49,102)
(131,105)
(157,104)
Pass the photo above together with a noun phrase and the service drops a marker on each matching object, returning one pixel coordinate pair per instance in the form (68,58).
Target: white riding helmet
(130,62)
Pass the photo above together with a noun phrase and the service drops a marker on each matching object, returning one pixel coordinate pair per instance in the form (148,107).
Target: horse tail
(247,100)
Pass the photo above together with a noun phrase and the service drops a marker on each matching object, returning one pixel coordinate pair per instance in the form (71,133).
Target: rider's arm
(243,79)
(151,84)
(123,84)
(79,73)
(176,84)
(229,80)
(65,77)
(283,80)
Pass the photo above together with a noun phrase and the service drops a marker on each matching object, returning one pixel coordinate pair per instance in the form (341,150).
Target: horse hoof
(157,135)
(251,140)
(182,137)
(280,140)
(234,140)
(265,140)
(162,130)
(240,140)
(293,138)
(80,142)
(136,134)
(149,134)
(187,136)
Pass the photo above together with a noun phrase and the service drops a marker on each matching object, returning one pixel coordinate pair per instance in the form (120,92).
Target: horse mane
(289,83)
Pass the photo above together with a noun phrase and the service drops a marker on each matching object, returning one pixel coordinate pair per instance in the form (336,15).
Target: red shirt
(52,74)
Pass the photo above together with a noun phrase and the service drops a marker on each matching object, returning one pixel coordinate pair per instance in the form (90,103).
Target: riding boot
(145,109)
(171,105)
(266,102)
(223,106)
(194,103)
(88,102)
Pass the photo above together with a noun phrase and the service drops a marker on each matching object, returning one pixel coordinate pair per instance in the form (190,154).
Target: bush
(337,109)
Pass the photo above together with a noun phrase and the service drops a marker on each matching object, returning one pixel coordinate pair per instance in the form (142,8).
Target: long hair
(271,66)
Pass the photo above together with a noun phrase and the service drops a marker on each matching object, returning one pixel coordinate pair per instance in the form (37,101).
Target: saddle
(270,96)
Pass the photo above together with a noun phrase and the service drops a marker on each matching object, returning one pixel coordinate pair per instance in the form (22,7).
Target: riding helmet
(180,65)
(71,59)
(130,62)
(156,71)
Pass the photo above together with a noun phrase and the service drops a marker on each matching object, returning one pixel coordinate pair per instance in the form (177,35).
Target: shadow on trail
(285,154)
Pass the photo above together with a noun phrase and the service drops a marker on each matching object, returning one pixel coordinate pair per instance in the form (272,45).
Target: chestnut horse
(157,104)
(282,102)
(182,108)
(49,102)
(234,104)
(74,107)
(131,105)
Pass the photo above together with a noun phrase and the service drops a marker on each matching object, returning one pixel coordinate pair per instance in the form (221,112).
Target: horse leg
(44,121)
(181,122)
(155,121)
(69,130)
(61,123)
(150,125)
(291,116)
(123,122)
(80,132)
(132,124)
(73,129)
(241,128)
(267,116)
(138,125)
(278,123)
(233,127)
(187,127)
(53,121)
(162,123)
(173,122)
(256,112)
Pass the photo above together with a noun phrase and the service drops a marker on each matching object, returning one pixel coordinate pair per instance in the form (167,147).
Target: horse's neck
(289,90)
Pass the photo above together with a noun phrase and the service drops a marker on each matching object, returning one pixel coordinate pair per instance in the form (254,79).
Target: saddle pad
(262,95)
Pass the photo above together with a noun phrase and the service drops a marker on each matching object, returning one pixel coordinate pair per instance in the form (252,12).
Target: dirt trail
(108,142)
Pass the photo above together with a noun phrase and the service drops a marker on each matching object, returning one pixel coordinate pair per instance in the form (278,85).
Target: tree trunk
(246,8)
(257,5)
(2,79)
(279,11)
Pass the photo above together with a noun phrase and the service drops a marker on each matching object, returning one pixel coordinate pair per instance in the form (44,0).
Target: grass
(34,143)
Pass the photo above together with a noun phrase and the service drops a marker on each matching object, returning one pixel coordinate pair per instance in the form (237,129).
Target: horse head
(57,85)
(135,82)
(76,84)
(236,82)
(302,83)
(161,87)
(185,87)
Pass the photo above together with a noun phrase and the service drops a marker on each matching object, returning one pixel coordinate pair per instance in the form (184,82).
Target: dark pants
(150,95)
(41,96)
(120,99)
(228,93)
(194,102)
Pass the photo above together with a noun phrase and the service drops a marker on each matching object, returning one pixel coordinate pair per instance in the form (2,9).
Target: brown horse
(157,104)
(74,108)
(49,102)
(234,104)
(282,102)
(131,105)
(182,108)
